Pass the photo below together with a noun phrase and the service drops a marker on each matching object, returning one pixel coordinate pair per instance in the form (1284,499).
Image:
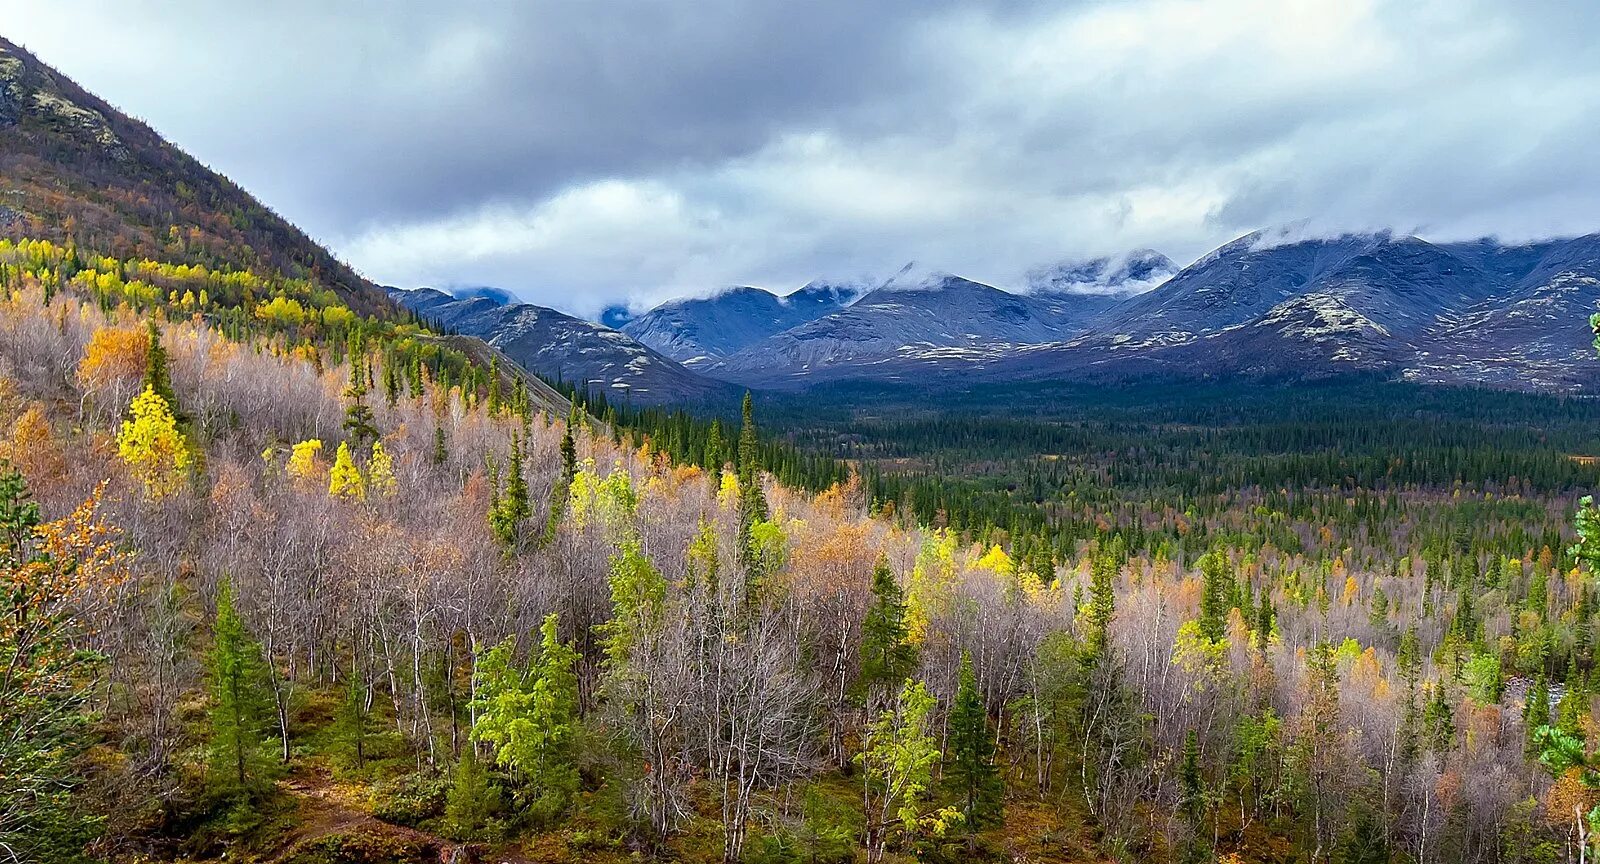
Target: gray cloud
(581,153)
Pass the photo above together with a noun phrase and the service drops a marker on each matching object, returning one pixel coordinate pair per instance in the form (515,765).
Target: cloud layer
(579,154)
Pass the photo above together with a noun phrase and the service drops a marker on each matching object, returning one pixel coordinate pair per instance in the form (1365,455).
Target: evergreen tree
(44,690)
(240,708)
(1218,594)
(157,376)
(353,721)
(1191,786)
(530,717)
(357,415)
(752,499)
(511,507)
(887,655)
(473,800)
(440,452)
(971,769)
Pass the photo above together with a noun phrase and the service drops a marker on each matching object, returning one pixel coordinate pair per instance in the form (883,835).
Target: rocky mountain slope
(1268,305)
(560,346)
(75,169)
(697,331)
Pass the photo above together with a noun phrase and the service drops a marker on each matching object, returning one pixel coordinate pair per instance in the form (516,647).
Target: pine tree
(971,769)
(1191,786)
(240,710)
(887,655)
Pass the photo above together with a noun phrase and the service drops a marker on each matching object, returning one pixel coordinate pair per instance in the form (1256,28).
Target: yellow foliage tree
(152,446)
(113,355)
(380,472)
(303,461)
(344,479)
(728,491)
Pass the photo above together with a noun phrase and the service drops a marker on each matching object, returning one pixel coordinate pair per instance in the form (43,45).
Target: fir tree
(887,655)
(157,376)
(358,416)
(240,710)
(473,800)
(971,769)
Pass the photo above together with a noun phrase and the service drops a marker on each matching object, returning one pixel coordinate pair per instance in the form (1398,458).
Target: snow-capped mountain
(557,345)
(697,331)
(1133,273)
(917,313)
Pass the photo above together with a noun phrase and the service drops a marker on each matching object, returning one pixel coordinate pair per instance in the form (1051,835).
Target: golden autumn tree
(153,448)
(344,479)
(380,471)
(303,461)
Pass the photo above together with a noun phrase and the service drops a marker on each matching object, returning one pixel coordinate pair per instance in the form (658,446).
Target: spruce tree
(358,416)
(473,800)
(240,707)
(157,376)
(887,655)
(511,508)
(1218,594)
(752,500)
(1191,786)
(971,769)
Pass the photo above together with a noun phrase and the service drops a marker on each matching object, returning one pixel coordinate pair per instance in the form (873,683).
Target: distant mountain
(915,314)
(557,345)
(1269,305)
(697,331)
(1132,273)
(1398,306)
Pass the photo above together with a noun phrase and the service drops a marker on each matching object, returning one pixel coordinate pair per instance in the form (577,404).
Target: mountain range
(1267,306)
(1271,305)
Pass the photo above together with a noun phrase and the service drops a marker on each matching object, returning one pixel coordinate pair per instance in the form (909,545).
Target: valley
(1285,555)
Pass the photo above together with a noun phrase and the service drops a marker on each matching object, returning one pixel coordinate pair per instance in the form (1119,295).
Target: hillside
(563,348)
(75,169)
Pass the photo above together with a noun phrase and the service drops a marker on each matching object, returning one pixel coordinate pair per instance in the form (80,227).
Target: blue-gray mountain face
(1266,306)
(697,332)
(1263,306)
(560,346)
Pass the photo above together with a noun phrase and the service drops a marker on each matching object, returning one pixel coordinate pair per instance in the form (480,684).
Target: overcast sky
(582,152)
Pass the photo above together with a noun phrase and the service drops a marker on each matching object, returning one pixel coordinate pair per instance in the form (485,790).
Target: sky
(579,153)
